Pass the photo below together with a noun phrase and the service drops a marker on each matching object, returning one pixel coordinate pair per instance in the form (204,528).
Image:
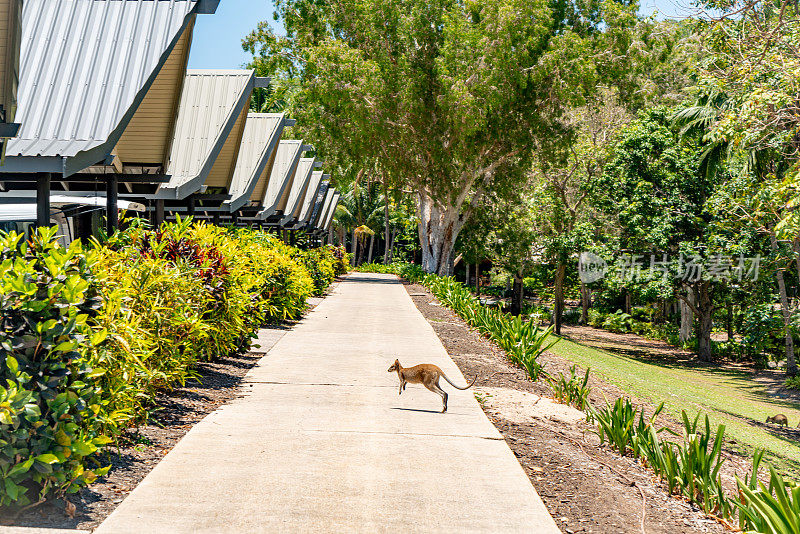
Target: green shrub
(619,322)
(573,391)
(793,382)
(90,335)
(50,396)
(596,318)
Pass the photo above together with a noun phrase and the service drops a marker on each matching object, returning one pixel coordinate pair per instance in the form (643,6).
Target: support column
(112,213)
(159,211)
(43,199)
(190,204)
(216,218)
(234,218)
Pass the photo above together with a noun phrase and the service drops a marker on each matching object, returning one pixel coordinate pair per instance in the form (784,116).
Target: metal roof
(85,66)
(281,176)
(302,177)
(261,134)
(331,210)
(326,204)
(318,202)
(310,197)
(211,102)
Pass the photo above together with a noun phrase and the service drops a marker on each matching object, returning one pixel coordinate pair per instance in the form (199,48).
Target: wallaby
(426,374)
(778,419)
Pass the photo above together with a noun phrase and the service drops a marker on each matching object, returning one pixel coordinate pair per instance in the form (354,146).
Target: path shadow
(370,280)
(417,410)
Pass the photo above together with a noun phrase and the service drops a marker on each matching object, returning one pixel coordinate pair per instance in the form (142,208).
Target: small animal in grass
(426,374)
(778,419)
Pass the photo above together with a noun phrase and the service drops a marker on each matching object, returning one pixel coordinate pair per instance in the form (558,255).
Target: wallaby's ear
(397,362)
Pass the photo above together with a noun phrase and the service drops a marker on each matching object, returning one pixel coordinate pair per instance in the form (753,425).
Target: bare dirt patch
(586,487)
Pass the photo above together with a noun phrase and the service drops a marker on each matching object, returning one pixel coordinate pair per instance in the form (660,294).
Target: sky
(218,38)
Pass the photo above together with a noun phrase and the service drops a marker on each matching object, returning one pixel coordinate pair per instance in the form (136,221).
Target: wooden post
(234,218)
(190,206)
(112,213)
(43,199)
(216,218)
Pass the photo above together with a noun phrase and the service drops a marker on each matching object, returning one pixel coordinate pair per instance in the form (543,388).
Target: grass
(728,396)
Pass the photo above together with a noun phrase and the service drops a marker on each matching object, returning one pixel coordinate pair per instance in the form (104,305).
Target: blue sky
(218,38)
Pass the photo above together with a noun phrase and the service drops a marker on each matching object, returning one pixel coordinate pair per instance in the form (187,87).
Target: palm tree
(360,211)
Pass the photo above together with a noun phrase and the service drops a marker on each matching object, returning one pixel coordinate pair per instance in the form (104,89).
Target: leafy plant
(773,509)
(47,407)
(90,334)
(574,391)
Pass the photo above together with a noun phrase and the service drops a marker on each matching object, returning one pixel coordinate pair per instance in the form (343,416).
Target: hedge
(92,332)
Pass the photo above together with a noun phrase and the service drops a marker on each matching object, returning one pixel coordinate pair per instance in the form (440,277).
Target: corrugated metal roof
(282,174)
(85,65)
(211,102)
(318,202)
(311,195)
(331,212)
(325,206)
(261,134)
(302,177)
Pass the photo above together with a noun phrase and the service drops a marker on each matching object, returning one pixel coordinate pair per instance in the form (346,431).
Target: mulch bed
(585,487)
(141,449)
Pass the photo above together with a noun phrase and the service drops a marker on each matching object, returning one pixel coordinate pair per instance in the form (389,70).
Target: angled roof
(262,131)
(323,212)
(85,66)
(310,197)
(302,177)
(281,176)
(318,202)
(326,223)
(208,131)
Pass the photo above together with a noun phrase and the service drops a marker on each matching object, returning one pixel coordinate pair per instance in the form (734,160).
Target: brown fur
(778,419)
(426,374)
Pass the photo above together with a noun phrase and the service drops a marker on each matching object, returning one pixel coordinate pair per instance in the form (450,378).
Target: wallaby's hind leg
(434,386)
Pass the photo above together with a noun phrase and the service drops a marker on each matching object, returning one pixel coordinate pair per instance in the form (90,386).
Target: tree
(656,190)
(448,96)
(516,246)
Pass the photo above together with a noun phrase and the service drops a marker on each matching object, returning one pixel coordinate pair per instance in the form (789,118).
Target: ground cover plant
(92,332)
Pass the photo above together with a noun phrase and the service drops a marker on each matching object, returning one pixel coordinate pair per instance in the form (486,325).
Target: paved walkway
(321,441)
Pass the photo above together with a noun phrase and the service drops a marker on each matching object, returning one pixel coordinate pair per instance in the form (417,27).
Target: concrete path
(321,441)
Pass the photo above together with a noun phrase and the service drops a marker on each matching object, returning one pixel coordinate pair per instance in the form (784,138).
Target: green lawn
(727,396)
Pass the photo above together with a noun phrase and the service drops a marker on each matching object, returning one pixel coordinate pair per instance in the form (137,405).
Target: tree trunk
(353,248)
(371,244)
(586,302)
(478,277)
(791,365)
(516,295)
(687,318)
(705,308)
(558,308)
(729,322)
(391,249)
(386,253)
(438,229)
(627,302)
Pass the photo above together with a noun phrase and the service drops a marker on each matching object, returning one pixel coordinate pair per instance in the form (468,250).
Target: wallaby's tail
(458,387)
